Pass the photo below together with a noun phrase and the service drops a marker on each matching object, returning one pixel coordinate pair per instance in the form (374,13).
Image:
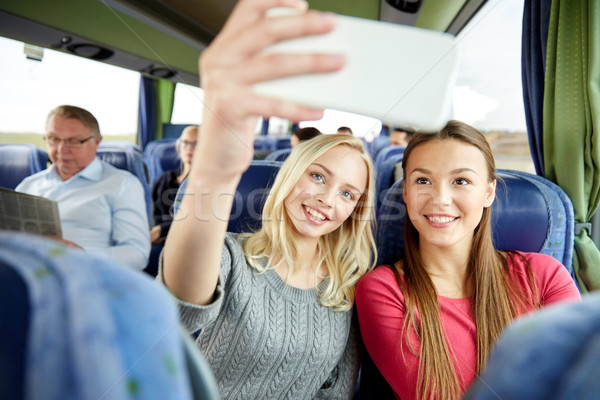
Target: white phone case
(398,74)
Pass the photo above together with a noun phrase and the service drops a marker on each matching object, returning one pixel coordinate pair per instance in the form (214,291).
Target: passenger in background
(344,130)
(303,134)
(102,209)
(164,193)
(274,308)
(430,321)
(165,188)
(401,136)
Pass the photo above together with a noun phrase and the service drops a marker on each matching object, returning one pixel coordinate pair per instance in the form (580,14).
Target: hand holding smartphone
(398,74)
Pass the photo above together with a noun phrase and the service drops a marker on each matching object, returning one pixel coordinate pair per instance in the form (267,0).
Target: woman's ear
(490,194)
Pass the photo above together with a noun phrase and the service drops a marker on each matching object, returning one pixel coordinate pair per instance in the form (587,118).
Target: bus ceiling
(163,38)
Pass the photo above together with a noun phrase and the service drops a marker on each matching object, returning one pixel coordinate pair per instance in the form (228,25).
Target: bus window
(362,126)
(30,89)
(187,107)
(279,127)
(493,101)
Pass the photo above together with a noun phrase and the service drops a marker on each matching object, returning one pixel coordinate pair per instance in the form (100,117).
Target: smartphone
(398,74)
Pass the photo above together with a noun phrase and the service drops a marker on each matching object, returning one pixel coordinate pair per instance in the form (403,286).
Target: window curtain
(571,122)
(165,98)
(157,97)
(146,111)
(536,15)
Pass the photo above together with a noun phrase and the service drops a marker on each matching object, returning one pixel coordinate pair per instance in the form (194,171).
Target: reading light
(161,72)
(92,51)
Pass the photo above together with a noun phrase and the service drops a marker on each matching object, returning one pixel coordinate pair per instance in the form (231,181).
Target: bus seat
(128,157)
(173,131)
(263,142)
(246,212)
(77,326)
(367,145)
(161,156)
(385,177)
(283,143)
(377,144)
(18,161)
(261,154)
(279,155)
(386,152)
(551,354)
(530,214)
(252,191)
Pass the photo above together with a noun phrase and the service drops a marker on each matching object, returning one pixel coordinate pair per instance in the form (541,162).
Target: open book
(26,213)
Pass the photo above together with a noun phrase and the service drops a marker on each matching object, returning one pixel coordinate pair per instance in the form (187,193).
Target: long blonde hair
(346,253)
(496,300)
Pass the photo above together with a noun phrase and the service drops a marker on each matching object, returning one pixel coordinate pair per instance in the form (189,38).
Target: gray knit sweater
(267,340)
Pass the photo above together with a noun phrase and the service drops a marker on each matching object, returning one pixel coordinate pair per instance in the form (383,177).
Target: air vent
(407,6)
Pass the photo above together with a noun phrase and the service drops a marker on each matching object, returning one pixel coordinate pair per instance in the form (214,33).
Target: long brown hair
(496,300)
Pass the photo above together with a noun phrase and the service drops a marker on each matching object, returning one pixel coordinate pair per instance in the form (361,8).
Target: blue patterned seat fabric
(553,354)
(80,327)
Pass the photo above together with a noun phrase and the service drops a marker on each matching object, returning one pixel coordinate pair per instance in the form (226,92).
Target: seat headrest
(279,155)
(161,156)
(385,153)
(18,161)
(128,157)
(250,196)
(529,214)
(116,158)
(283,143)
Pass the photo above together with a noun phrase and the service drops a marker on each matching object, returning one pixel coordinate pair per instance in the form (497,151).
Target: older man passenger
(102,209)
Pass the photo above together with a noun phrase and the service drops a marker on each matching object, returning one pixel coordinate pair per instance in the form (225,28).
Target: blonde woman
(274,307)
(165,188)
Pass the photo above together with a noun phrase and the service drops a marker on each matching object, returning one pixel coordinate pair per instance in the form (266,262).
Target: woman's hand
(155,234)
(234,62)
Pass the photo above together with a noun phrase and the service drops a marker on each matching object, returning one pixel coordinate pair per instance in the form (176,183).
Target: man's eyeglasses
(70,143)
(184,143)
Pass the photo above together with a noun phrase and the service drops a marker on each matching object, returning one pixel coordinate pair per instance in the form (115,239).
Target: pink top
(381,313)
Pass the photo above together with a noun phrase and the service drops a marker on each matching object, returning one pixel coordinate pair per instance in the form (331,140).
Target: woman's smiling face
(327,192)
(446,189)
